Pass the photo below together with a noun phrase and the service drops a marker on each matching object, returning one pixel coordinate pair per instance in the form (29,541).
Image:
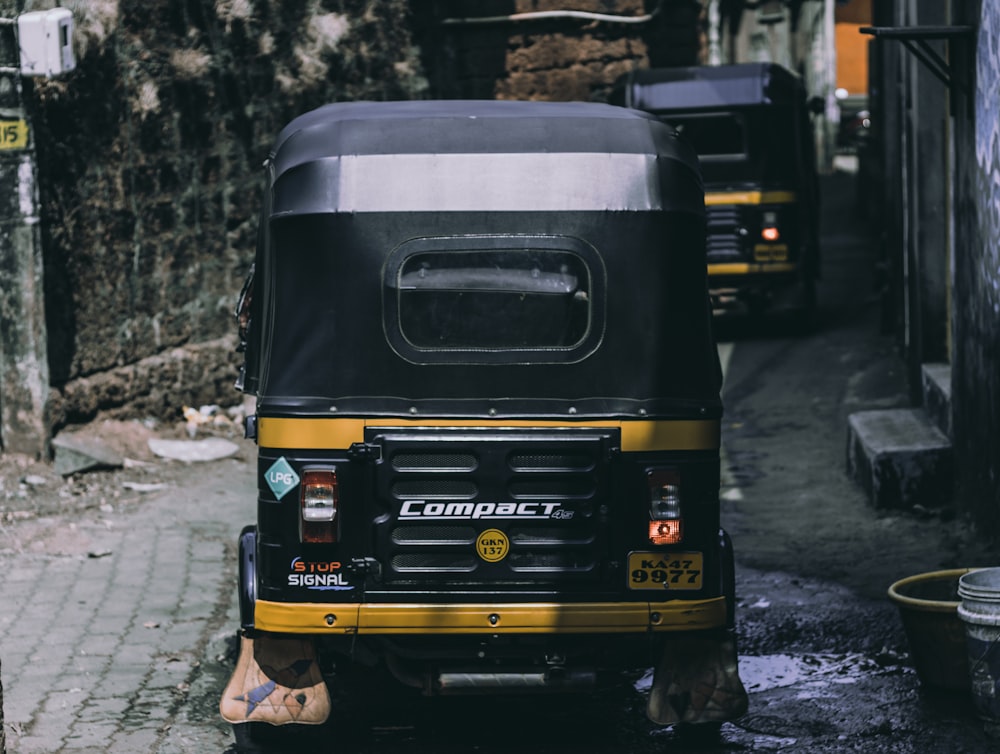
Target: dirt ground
(43,510)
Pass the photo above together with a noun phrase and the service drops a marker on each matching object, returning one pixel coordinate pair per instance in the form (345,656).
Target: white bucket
(979,610)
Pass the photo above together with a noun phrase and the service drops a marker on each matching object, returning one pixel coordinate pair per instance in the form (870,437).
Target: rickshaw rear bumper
(406,618)
(739,288)
(499,615)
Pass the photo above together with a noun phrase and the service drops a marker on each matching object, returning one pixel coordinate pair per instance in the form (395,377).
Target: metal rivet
(330,619)
(572,409)
(654,617)
(413,409)
(494,619)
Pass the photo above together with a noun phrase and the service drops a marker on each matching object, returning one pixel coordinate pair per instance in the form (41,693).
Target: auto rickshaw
(487,413)
(750,125)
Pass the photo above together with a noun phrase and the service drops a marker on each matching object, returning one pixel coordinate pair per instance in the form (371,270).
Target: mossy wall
(150,152)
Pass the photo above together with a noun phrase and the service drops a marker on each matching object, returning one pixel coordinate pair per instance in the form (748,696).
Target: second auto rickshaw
(750,125)
(487,412)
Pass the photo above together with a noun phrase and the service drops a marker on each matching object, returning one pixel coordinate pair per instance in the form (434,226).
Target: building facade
(934,181)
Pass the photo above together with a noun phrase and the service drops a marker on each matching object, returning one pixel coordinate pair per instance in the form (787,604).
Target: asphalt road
(118,629)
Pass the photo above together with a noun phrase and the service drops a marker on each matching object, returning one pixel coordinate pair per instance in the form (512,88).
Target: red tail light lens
(666,520)
(769,227)
(318,504)
(666,532)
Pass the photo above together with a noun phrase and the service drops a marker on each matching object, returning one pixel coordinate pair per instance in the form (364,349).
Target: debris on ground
(75,452)
(193,451)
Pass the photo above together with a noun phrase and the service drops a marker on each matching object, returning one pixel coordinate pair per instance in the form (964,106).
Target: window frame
(392,292)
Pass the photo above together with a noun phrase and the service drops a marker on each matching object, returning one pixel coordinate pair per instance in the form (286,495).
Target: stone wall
(149,158)
(149,153)
(976,296)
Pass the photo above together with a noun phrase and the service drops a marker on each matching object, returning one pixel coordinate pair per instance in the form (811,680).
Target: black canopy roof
(356,190)
(466,126)
(480,155)
(708,87)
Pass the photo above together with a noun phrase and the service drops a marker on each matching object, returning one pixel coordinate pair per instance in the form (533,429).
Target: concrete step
(936,387)
(900,458)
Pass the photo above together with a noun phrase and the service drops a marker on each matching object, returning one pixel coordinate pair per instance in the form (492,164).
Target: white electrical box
(46,41)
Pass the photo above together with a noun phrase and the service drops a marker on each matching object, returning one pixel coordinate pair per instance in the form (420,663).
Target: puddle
(764,672)
(760,673)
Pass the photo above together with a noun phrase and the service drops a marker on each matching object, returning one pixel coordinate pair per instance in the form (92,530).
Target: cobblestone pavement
(109,616)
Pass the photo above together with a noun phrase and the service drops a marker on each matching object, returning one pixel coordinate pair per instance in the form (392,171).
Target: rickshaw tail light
(665,514)
(318,504)
(664,494)
(666,532)
(770,234)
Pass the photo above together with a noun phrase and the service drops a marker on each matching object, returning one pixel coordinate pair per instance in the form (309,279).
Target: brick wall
(551,58)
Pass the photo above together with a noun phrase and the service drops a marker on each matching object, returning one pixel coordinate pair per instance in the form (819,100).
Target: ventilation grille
(439,491)
(724,242)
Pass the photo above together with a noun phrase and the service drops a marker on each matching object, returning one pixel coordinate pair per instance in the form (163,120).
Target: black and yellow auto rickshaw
(487,413)
(750,125)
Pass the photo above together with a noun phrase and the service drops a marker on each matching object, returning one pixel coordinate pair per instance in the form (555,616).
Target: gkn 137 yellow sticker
(665,571)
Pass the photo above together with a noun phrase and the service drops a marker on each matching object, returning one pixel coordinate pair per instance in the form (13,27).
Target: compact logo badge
(492,545)
(413,509)
(281,478)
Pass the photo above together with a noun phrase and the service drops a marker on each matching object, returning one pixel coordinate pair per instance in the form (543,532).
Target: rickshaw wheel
(262,737)
(698,735)
(805,319)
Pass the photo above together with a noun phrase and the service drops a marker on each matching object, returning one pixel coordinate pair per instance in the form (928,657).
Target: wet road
(90,668)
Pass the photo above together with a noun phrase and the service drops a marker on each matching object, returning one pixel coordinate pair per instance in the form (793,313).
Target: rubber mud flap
(697,681)
(276,681)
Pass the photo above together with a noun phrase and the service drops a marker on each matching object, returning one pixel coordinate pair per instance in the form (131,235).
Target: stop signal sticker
(492,545)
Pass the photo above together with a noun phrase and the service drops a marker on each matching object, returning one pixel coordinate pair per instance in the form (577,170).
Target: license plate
(665,571)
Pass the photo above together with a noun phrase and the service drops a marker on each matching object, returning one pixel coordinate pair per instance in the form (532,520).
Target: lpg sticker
(492,545)
(281,478)
(323,576)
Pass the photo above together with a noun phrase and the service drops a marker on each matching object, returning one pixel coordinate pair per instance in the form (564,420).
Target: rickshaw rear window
(490,299)
(714,135)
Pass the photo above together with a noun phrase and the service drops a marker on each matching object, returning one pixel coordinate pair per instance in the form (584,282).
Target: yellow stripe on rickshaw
(514,618)
(713,198)
(322,433)
(748,268)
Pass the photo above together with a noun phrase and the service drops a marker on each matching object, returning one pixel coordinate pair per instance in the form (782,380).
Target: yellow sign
(492,545)
(764,252)
(665,570)
(13,134)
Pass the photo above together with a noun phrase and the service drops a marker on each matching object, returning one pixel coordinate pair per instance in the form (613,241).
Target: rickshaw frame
(487,415)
